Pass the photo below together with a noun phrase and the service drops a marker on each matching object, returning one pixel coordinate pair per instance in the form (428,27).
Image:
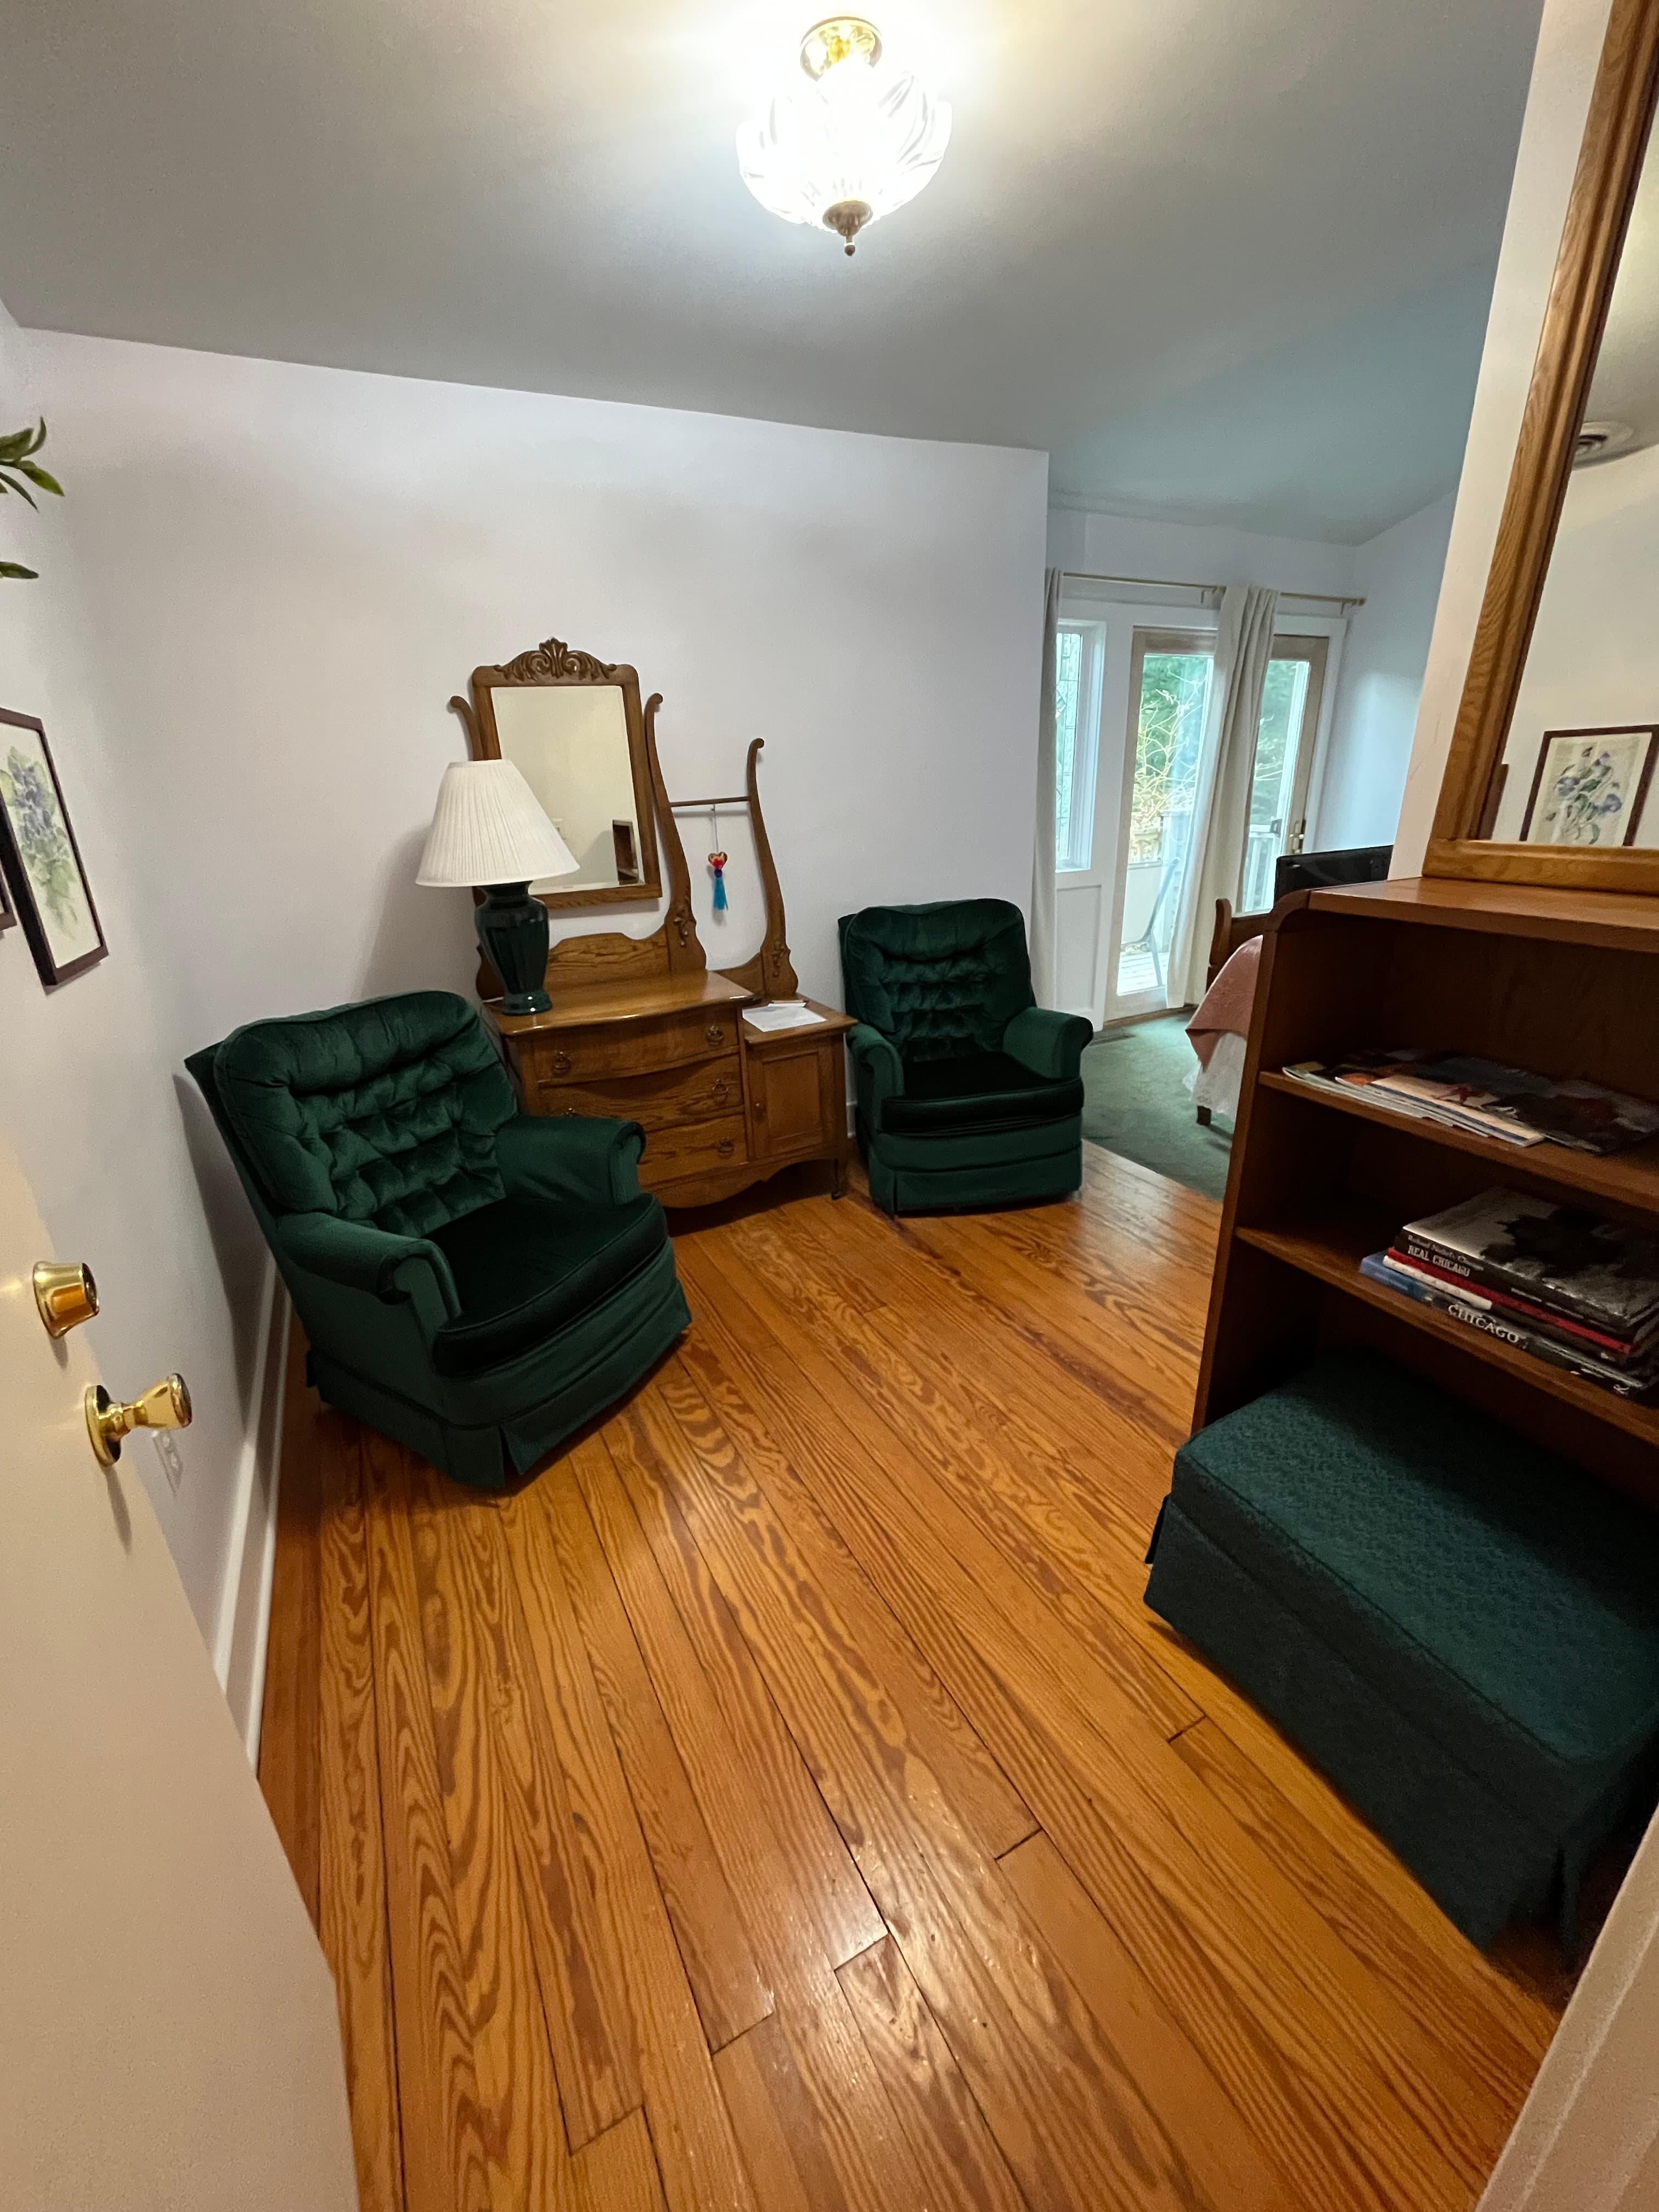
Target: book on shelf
(1510,1105)
(1631,1382)
(1597,1272)
(1589,1343)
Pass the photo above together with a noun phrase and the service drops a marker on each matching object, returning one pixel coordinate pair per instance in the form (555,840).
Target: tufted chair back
(941,981)
(383,1113)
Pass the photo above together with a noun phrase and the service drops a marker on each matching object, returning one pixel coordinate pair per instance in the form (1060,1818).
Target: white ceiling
(1223,258)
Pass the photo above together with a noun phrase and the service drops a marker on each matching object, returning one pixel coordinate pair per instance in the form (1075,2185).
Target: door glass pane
(1173,694)
(1072,829)
(1278,737)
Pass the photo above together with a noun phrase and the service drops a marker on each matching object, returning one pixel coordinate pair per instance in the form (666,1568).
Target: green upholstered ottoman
(1460,1629)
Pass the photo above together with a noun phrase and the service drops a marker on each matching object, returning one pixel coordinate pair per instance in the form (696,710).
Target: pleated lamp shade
(488,828)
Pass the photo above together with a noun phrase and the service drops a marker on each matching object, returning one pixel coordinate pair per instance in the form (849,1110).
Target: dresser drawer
(632,1048)
(660,1100)
(691,1147)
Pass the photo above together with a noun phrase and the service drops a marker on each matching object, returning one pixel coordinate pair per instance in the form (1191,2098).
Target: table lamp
(489,833)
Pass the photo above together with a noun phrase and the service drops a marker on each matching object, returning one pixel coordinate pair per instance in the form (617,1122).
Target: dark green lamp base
(512,929)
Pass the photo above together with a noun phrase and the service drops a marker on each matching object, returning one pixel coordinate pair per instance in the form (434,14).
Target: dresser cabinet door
(794,1098)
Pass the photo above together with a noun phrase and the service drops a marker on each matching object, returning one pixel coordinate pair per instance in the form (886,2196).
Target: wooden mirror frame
(553,664)
(1587,266)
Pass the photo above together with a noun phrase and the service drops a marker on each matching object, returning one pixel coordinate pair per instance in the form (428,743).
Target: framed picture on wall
(39,859)
(8,912)
(1590,786)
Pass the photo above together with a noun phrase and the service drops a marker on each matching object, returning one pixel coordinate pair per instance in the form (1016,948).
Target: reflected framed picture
(39,859)
(1590,786)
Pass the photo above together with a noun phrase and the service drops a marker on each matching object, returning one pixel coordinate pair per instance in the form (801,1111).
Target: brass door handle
(66,1294)
(165,1405)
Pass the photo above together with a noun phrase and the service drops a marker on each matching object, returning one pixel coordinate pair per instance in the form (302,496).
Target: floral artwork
(41,860)
(1590,787)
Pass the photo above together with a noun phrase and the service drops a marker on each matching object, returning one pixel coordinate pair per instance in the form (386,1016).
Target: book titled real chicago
(1599,1272)
(1635,1381)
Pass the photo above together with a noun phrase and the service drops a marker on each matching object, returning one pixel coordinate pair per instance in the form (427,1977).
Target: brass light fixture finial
(839,39)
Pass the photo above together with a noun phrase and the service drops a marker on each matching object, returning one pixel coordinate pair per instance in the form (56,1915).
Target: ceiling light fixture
(852,144)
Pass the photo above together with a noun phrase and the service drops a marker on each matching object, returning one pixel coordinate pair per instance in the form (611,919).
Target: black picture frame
(22,883)
(8,912)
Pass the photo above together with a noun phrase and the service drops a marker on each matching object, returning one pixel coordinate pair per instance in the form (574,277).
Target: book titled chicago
(1633,1380)
(1599,1273)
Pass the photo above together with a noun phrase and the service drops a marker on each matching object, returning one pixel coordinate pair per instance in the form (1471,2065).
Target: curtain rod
(1175,583)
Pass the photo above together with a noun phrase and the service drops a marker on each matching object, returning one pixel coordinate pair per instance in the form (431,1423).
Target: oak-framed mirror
(573,724)
(1550,778)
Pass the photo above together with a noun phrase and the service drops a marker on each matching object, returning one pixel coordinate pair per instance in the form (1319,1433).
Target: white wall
(291,569)
(1569,47)
(1197,553)
(89,1083)
(1398,574)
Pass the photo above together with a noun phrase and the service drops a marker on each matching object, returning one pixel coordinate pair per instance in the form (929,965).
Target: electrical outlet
(167,1451)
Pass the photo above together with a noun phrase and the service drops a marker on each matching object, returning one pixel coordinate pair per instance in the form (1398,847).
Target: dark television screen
(1313,871)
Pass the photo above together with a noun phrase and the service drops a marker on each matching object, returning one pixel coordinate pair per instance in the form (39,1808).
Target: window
(1077,731)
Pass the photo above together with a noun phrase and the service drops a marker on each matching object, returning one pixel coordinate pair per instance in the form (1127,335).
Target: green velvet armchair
(475,1281)
(968,1093)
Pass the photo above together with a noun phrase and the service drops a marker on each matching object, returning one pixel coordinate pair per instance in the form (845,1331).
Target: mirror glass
(571,742)
(1578,765)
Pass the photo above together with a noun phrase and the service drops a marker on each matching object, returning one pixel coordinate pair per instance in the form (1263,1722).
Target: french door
(1290,700)
(1152,680)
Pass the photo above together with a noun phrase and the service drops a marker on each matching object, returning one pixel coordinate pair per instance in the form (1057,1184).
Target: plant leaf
(37,475)
(14,448)
(16,569)
(22,489)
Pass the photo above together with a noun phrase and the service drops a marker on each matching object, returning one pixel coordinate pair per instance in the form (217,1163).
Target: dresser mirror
(574,725)
(1551,771)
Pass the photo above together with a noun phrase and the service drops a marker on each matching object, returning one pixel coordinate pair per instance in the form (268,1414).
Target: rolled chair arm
(576,1158)
(1047,1043)
(357,1256)
(877,1071)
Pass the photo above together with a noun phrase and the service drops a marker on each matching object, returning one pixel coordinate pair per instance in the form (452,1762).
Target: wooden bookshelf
(1565,983)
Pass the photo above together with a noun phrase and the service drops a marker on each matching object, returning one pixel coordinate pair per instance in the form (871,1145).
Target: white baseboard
(244,1627)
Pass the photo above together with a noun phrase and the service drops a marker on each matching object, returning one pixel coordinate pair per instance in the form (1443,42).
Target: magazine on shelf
(1624,1383)
(1563,1257)
(1490,1097)
(1590,1343)
(1422,1086)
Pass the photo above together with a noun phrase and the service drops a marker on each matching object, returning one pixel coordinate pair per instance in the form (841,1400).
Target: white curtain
(1221,795)
(1042,860)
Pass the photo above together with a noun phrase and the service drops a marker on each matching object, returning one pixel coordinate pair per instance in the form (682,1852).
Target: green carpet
(1134,1103)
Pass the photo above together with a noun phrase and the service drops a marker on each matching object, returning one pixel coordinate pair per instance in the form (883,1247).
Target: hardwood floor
(785,1803)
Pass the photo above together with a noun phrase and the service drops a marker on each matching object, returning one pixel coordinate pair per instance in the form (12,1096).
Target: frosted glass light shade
(488,828)
(863,137)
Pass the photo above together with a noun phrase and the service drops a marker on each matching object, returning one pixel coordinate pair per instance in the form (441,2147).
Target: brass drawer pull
(714,1034)
(719,1091)
(562,1063)
(725,1148)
